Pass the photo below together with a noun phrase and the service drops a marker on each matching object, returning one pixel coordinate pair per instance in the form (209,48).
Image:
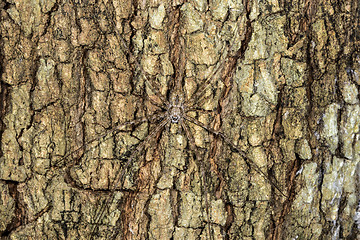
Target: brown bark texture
(184,119)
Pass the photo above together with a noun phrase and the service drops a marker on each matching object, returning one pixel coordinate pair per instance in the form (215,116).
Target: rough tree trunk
(280,100)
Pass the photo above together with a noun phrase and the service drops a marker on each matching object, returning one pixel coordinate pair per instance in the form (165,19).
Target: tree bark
(91,146)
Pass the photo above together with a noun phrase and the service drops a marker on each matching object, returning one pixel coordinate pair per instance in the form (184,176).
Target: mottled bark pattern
(286,94)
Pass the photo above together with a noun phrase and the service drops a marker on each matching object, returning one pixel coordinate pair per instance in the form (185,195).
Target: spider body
(176,108)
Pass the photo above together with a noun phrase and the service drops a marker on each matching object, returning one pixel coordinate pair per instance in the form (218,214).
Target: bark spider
(172,109)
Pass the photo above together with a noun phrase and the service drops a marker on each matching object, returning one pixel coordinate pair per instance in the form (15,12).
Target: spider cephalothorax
(176,108)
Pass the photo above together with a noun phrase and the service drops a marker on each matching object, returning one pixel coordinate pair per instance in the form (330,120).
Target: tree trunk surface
(179,119)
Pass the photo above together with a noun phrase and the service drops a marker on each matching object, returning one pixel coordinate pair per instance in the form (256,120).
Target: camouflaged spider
(174,109)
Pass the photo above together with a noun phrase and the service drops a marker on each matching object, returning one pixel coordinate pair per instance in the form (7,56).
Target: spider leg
(227,62)
(235,147)
(153,86)
(196,107)
(116,183)
(199,110)
(203,175)
(161,106)
(114,129)
(194,99)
